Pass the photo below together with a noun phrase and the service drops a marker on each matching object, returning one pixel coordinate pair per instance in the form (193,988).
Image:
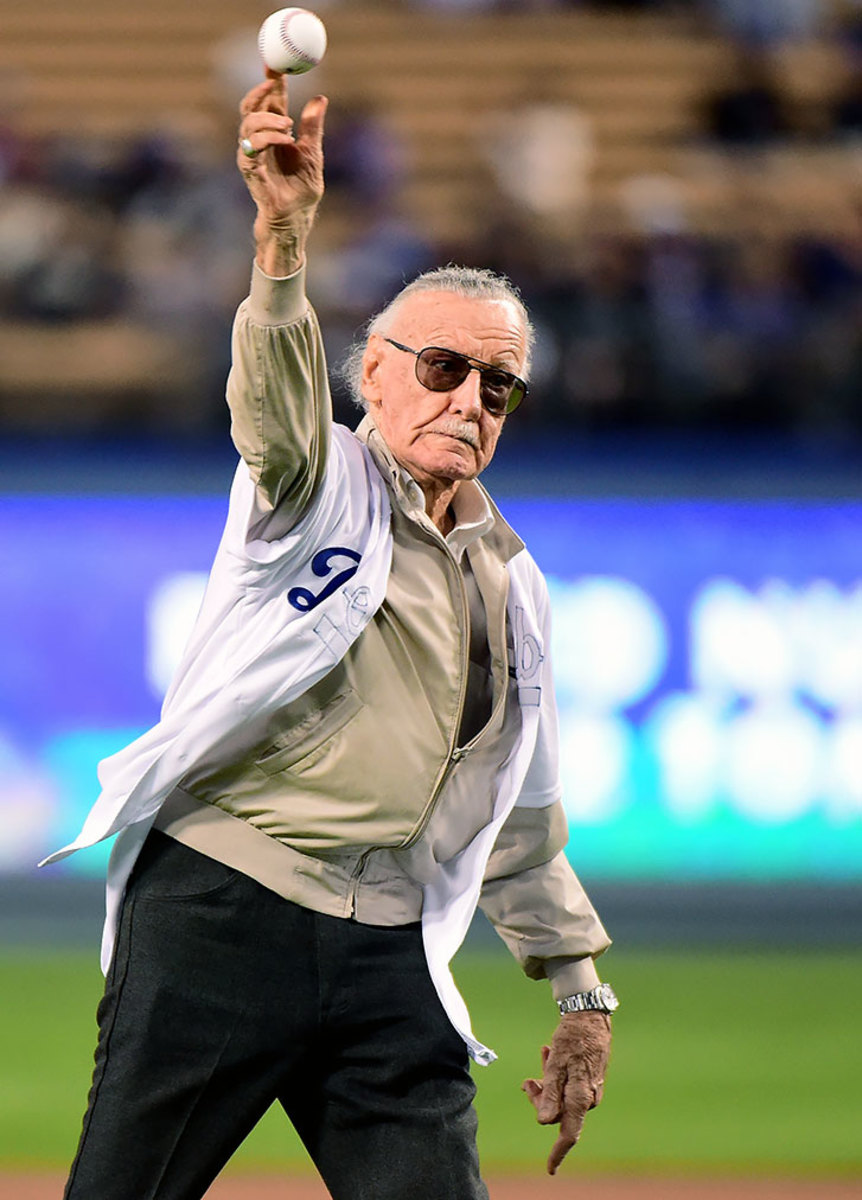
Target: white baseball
(292,40)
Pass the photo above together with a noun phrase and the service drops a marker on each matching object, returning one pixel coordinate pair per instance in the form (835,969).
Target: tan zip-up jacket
(346,802)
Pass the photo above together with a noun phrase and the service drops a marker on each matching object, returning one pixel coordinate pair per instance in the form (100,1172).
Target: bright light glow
(171,611)
(775,760)
(595,761)
(779,640)
(686,732)
(738,644)
(844,782)
(826,625)
(609,642)
(28,808)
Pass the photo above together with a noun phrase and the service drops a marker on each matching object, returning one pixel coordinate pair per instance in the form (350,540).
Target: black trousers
(223,997)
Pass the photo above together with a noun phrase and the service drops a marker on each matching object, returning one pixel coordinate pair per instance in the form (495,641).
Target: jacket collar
(474,507)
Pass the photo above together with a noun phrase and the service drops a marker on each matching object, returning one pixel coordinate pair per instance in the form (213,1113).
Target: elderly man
(359,746)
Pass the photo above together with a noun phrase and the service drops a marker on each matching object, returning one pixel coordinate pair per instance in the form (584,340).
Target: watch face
(607,997)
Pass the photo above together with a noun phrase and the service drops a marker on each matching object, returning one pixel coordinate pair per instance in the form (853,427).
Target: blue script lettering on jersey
(305,600)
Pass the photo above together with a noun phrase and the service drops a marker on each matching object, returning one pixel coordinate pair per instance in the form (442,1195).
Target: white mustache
(465,431)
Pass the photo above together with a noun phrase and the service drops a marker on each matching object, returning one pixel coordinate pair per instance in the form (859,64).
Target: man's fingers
(276,98)
(269,96)
(254,100)
(547,1112)
(562,1098)
(570,1130)
(559,1150)
(259,142)
(572,1079)
(258,122)
(578,1100)
(312,120)
(546,1094)
(265,129)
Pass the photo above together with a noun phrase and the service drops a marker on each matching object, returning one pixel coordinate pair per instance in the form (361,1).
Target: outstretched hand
(573,1077)
(284,173)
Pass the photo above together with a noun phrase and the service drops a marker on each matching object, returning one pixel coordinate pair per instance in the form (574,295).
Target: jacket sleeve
(530,893)
(279,401)
(537,905)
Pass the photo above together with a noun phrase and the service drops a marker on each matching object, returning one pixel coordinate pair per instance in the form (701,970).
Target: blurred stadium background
(677,190)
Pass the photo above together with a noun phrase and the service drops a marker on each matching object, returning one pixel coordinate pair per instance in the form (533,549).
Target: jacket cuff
(276,301)
(571,975)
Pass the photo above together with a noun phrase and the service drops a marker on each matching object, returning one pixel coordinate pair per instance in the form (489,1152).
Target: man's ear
(371,388)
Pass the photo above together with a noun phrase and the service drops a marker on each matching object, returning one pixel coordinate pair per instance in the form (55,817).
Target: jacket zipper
(454,756)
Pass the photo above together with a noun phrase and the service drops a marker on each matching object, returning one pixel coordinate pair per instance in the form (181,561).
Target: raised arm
(283,172)
(278,391)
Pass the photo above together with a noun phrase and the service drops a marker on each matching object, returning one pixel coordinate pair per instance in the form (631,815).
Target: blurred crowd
(655,325)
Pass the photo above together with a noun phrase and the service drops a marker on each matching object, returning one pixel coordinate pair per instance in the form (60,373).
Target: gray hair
(475,283)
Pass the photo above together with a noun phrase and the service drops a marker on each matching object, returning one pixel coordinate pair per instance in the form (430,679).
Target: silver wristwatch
(599,999)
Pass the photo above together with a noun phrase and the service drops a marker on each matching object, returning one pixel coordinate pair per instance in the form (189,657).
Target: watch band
(598,999)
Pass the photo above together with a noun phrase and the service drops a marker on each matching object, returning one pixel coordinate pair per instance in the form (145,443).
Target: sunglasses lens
(517,394)
(497,391)
(443,370)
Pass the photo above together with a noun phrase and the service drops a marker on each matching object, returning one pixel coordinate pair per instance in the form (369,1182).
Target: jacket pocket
(298,744)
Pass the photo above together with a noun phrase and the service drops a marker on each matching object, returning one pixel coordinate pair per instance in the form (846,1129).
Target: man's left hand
(573,1078)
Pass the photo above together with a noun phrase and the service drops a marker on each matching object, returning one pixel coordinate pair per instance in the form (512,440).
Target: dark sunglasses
(441,370)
